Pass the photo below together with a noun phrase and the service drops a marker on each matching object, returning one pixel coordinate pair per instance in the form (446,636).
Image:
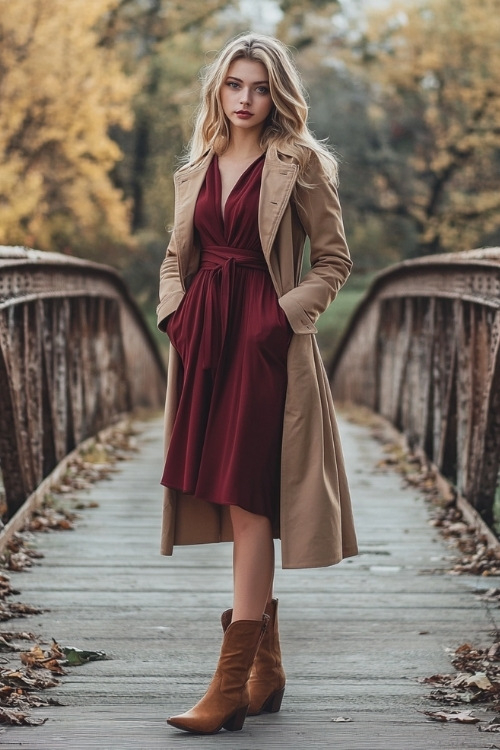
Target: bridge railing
(423,350)
(75,354)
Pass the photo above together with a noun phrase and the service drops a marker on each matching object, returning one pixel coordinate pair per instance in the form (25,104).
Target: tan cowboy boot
(267,678)
(226,701)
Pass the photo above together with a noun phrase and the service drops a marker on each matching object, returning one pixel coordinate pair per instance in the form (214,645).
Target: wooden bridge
(357,638)
(423,350)
(75,353)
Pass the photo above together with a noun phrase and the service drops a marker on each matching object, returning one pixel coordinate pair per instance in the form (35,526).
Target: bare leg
(253,563)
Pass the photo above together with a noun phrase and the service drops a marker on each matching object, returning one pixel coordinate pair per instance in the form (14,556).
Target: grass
(160,337)
(335,319)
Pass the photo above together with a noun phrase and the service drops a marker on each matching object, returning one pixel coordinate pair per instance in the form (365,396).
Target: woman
(253,449)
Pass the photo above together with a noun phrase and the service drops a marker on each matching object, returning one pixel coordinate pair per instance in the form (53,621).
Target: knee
(246,523)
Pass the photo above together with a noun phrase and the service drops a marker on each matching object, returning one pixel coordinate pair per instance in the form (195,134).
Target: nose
(245,97)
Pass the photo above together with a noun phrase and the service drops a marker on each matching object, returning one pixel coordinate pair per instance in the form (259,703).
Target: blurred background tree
(60,93)
(411,95)
(435,101)
(167,42)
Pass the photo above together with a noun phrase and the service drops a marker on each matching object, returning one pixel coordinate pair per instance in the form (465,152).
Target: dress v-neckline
(222,208)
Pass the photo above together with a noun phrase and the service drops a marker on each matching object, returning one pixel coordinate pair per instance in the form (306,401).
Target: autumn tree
(305,22)
(165,42)
(436,114)
(143,24)
(168,48)
(410,95)
(60,93)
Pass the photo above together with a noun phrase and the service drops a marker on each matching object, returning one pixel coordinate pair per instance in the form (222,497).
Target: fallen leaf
(489,595)
(463,717)
(5,587)
(437,679)
(465,648)
(491,726)
(53,666)
(26,680)
(40,659)
(340,719)
(6,645)
(17,679)
(480,680)
(76,656)
(14,717)
(12,610)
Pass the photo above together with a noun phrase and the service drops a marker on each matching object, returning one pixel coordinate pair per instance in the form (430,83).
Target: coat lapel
(278,180)
(188,183)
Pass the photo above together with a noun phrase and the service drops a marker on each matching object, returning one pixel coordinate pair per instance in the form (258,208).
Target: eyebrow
(255,83)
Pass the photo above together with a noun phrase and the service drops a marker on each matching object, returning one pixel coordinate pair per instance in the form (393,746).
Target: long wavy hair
(286,126)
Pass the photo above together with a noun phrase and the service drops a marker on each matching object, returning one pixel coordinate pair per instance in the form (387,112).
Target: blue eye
(262,90)
(232,84)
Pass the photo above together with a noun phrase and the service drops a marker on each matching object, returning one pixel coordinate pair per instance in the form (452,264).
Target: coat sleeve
(171,288)
(319,211)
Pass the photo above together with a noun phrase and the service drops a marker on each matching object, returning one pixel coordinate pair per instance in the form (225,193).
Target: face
(245,95)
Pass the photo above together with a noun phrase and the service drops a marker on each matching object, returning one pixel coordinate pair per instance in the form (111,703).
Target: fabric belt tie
(222,260)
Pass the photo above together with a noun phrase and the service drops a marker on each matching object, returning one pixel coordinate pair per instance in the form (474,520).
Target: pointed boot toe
(225,704)
(209,724)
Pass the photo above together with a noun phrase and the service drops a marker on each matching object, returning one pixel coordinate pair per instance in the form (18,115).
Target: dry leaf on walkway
(52,659)
(30,658)
(436,679)
(11,697)
(463,717)
(76,656)
(26,680)
(13,717)
(340,719)
(480,680)
(19,555)
(476,681)
(17,609)
(5,646)
(488,595)
(5,587)
(49,519)
(491,726)
(465,648)
(40,659)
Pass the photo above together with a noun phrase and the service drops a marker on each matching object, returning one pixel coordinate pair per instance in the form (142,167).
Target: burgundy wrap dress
(232,338)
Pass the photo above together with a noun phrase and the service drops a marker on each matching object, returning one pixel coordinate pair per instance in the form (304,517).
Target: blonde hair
(286,127)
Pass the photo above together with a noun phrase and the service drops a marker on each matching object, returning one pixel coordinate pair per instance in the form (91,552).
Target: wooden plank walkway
(352,634)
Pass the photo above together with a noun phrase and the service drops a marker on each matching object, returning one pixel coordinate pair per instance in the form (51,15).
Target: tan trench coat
(316,526)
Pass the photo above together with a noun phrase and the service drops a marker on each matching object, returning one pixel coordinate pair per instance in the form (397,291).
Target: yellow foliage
(60,93)
(436,63)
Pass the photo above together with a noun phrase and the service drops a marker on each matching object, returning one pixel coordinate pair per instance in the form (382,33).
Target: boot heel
(236,721)
(273,703)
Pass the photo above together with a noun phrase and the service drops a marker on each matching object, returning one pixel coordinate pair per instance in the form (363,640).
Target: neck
(244,143)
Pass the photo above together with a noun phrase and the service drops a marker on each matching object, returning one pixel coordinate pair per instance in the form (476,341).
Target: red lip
(244,112)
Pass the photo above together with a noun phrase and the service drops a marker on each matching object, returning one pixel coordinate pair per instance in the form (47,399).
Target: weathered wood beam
(75,354)
(431,330)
